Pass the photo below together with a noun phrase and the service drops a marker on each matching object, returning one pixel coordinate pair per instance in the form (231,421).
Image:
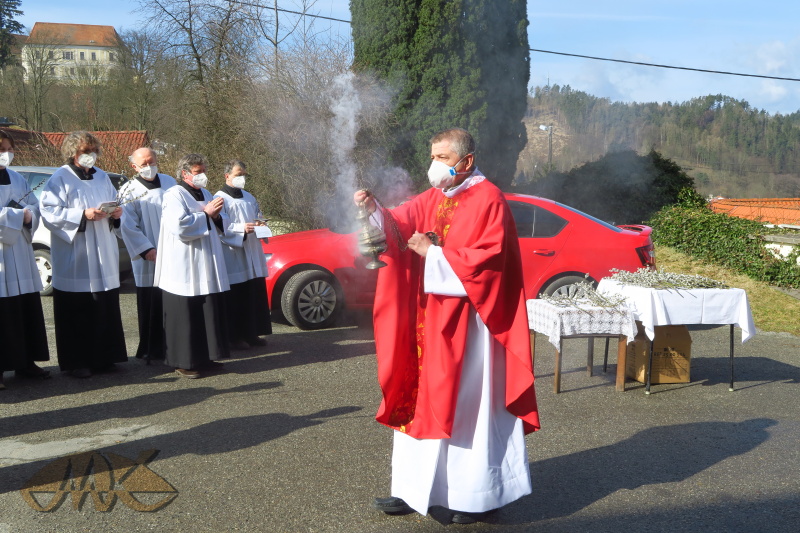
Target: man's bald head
(143,157)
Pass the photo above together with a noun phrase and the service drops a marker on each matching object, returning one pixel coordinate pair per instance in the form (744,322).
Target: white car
(41,239)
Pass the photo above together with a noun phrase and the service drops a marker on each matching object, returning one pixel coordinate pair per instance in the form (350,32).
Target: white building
(70,51)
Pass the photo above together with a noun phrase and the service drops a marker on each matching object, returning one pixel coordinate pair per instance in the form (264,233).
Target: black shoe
(214,366)
(391,505)
(239,345)
(32,372)
(464,518)
(80,373)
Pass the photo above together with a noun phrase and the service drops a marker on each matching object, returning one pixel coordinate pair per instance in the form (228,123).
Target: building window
(83,56)
(94,56)
(50,54)
(68,55)
(111,56)
(52,71)
(71,71)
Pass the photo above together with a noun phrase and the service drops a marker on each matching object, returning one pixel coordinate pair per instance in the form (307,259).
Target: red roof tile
(768,210)
(74,34)
(117,145)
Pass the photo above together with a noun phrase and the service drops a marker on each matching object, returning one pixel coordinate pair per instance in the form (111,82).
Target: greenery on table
(660,279)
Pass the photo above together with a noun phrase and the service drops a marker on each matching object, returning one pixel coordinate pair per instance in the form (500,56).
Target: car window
(590,217)
(34,179)
(535,221)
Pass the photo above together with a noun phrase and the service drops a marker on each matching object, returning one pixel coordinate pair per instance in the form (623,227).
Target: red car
(314,275)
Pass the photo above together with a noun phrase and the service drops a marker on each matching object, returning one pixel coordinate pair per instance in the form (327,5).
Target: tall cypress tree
(461,63)
(8,10)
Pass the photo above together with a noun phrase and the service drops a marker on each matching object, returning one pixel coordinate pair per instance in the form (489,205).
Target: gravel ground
(285,440)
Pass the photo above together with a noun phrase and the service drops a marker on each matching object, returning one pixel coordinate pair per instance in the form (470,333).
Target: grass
(772,309)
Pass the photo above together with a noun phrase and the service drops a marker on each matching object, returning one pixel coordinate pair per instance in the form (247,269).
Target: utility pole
(549,130)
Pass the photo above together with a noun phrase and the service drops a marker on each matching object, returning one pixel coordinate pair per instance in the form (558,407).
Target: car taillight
(647,255)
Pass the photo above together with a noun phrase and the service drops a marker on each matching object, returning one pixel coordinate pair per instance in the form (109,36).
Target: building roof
(767,210)
(73,34)
(117,145)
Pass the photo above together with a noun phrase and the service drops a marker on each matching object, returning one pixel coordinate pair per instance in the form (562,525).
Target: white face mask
(6,158)
(148,172)
(87,160)
(199,180)
(440,175)
(238,182)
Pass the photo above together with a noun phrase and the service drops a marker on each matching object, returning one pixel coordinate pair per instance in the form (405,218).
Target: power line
(271,8)
(552,52)
(665,66)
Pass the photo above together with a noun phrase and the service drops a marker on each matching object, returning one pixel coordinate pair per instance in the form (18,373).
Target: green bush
(715,238)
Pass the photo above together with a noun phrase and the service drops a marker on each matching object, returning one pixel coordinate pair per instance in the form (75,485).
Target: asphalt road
(285,440)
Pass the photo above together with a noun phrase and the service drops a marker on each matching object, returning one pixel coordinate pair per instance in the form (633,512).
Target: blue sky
(733,35)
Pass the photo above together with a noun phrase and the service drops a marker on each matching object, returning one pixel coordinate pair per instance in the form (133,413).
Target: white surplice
(141,224)
(18,272)
(244,257)
(484,464)
(83,261)
(189,261)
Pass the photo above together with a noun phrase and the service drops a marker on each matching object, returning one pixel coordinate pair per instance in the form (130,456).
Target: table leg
(731,387)
(533,349)
(557,377)
(605,357)
(649,367)
(622,358)
(590,357)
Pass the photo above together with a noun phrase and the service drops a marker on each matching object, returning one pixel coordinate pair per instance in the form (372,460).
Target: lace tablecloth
(556,322)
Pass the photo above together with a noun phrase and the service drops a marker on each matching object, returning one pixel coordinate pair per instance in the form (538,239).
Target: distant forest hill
(730,148)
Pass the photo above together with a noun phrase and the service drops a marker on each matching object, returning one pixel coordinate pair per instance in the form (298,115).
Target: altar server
(141,224)
(78,206)
(190,271)
(247,308)
(22,332)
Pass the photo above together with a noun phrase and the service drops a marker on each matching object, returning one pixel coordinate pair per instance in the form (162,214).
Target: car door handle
(544,252)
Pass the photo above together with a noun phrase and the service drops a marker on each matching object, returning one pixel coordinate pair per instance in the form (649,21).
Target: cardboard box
(672,350)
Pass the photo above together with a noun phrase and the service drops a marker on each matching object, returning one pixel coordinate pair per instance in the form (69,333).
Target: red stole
(420,353)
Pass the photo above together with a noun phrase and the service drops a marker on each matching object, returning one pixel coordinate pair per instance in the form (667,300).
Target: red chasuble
(421,338)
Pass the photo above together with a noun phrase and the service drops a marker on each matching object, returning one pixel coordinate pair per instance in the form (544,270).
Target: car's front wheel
(45,267)
(311,300)
(566,286)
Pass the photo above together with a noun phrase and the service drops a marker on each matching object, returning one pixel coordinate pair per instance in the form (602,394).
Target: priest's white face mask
(238,182)
(441,175)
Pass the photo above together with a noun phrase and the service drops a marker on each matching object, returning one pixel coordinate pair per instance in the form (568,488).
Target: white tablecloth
(664,307)
(556,322)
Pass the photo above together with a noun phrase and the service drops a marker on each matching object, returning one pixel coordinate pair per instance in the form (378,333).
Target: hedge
(719,239)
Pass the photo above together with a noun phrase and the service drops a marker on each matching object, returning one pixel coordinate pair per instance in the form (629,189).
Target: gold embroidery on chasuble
(403,415)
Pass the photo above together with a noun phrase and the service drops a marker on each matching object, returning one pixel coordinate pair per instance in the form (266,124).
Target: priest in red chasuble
(451,333)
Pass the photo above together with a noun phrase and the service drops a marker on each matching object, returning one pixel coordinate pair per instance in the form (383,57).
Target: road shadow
(667,454)
(140,406)
(716,370)
(303,348)
(217,437)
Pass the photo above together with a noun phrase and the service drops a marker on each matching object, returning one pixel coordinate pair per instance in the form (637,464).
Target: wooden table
(581,321)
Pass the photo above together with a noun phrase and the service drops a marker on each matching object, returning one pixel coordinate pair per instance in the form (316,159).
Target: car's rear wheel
(311,300)
(45,267)
(566,286)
